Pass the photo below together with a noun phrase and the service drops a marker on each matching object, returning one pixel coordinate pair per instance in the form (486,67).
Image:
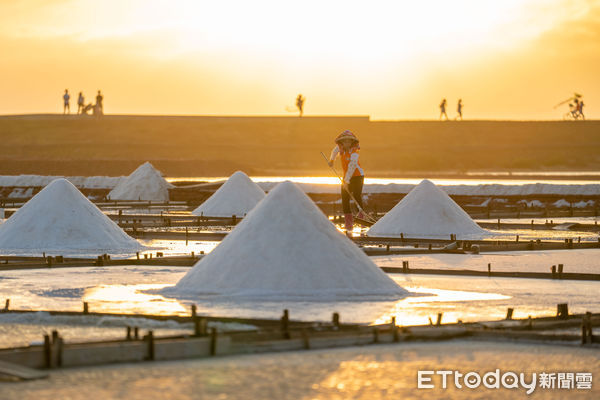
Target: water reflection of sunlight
(129,299)
(363,372)
(178,247)
(416,310)
(330,180)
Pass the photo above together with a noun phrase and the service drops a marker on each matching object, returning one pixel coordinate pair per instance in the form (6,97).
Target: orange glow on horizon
(388,59)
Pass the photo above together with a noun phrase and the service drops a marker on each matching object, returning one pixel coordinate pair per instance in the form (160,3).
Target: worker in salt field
(347,148)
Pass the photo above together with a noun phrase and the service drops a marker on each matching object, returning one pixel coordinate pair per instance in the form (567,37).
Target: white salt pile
(284,249)
(562,203)
(60,219)
(237,196)
(145,183)
(427,211)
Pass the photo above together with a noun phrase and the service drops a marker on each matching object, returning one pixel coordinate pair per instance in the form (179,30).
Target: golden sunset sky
(509,59)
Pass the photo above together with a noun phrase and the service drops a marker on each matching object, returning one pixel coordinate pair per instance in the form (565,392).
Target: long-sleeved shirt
(350,163)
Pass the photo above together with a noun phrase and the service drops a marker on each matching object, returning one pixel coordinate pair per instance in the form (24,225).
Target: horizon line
(349,116)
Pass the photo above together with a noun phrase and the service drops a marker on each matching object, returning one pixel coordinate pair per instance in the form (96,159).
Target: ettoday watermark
(509,380)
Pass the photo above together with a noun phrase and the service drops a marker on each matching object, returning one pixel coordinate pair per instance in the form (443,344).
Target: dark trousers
(355,186)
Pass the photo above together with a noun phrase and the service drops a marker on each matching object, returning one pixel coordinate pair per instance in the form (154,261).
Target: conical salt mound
(426,211)
(286,248)
(145,183)
(60,219)
(237,196)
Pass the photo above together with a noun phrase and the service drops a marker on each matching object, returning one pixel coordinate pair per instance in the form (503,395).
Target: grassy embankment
(217,146)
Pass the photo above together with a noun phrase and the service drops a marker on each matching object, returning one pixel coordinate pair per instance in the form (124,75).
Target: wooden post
(553,269)
(47,351)
(49,259)
(6,305)
(560,271)
(588,317)
(136,333)
(531,224)
(439,319)
(85,307)
(489,269)
(562,311)
(194,311)
(285,322)
(498,223)
(233,220)
(128,333)
(335,319)
(213,341)
(509,314)
(395,335)
(150,338)
(387,248)
(186,235)
(517,239)
(137,255)
(429,246)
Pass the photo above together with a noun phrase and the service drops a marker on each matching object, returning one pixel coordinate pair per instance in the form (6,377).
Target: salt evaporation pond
(129,289)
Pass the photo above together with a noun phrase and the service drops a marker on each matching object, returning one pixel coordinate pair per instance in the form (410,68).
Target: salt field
(309,201)
(134,289)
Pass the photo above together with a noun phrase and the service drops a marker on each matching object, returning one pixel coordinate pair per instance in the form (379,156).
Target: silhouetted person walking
(99,108)
(300,104)
(66,98)
(443,109)
(581,110)
(459,107)
(80,103)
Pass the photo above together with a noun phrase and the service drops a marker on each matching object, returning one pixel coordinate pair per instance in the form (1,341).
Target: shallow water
(127,289)
(331,180)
